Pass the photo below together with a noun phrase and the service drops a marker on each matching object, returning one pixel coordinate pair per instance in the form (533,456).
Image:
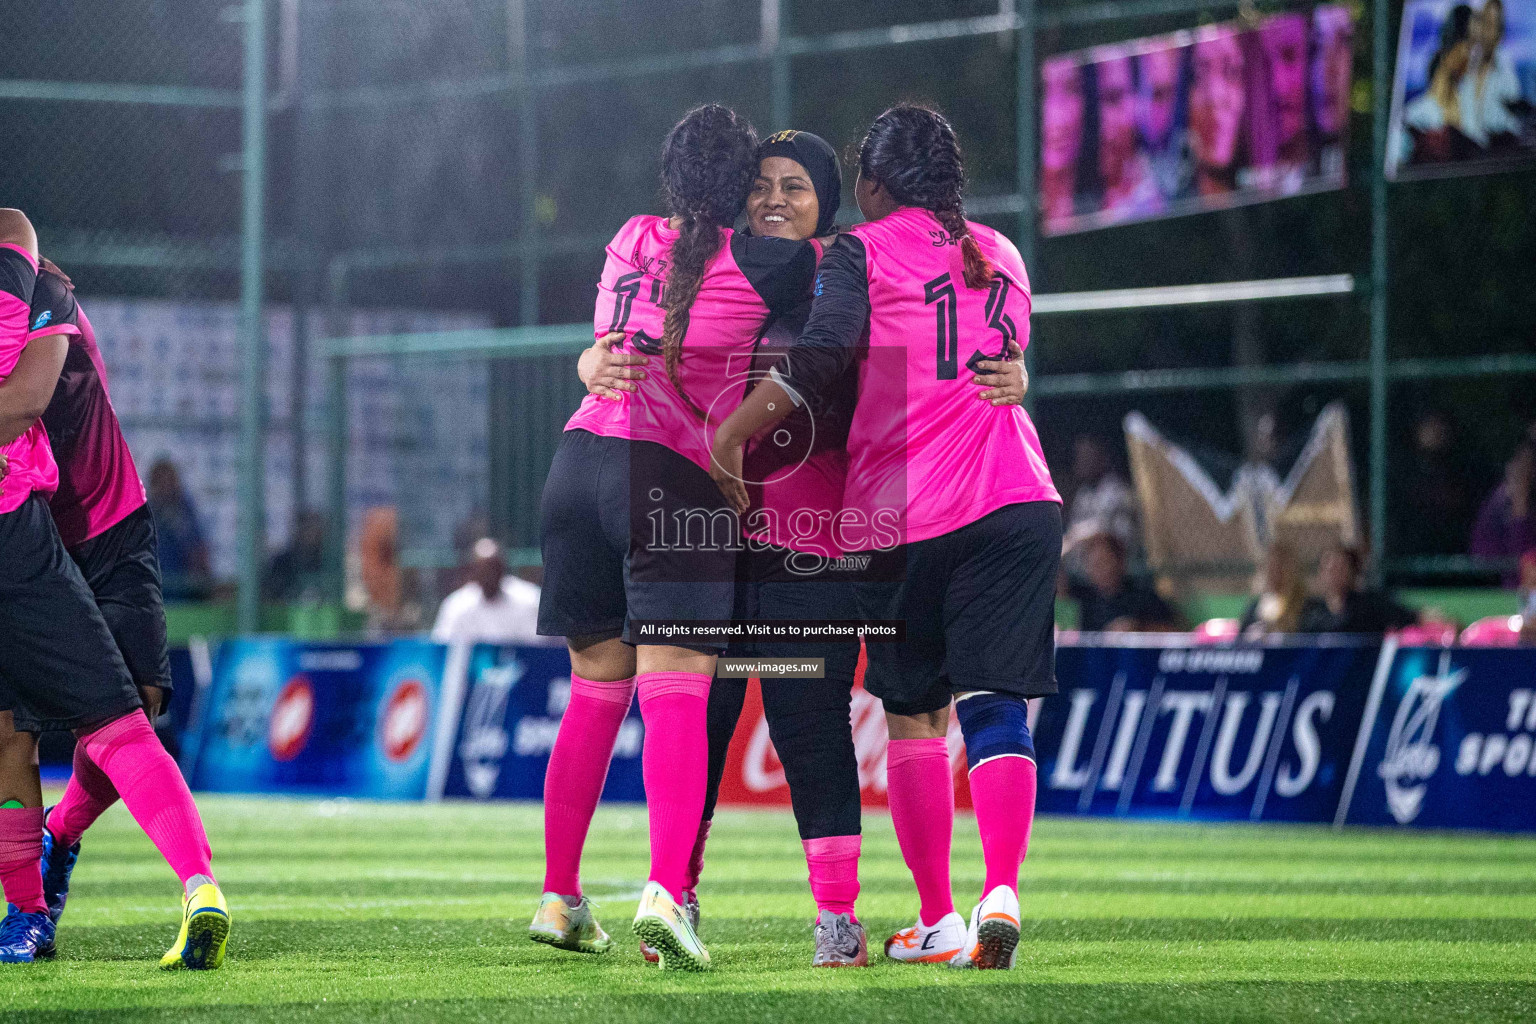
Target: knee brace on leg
(994,725)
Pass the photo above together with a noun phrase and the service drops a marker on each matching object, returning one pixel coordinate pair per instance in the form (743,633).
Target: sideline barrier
(1159,727)
(1215,733)
(351,720)
(1452,743)
(512,700)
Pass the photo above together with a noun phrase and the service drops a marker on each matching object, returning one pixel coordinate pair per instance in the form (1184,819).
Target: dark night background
(444,172)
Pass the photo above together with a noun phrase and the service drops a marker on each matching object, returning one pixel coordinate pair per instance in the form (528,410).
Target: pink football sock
(130,754)
(578,767)
(675,706)
(88,794)
(921,793)
(1003,793)
(834,866)
(696,859)
(21,854)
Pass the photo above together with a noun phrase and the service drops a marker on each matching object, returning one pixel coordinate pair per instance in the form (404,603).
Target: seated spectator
(185,571)
(1110,601)
(386,587)
(1343,607)
(1506,527)
(1280,595)
(1101,500)
(1433,494)
(297,572)
(493,607)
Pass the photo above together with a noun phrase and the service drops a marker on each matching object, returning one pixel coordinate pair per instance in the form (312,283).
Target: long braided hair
(708,163)
(913,153)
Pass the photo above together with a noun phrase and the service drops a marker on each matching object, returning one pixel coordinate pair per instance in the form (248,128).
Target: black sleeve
(16,275)
(1388,614)
(1401,616)
(780,269)
(1156,611)
(1080,590)
(1316,618)
(839,317)
(53,303)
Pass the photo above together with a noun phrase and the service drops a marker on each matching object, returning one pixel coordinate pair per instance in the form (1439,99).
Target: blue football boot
(58,863)
(25,937)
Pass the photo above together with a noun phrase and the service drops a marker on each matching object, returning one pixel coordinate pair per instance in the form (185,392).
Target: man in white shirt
(493,607)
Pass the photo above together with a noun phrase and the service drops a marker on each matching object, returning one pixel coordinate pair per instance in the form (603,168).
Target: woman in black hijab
(792,567)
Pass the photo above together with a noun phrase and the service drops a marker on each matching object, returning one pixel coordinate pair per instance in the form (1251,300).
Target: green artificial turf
(404,912)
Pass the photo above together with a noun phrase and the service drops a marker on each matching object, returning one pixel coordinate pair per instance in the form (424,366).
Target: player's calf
(1001,756)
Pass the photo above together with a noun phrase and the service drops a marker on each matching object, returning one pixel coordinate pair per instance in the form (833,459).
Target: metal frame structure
(1016,18)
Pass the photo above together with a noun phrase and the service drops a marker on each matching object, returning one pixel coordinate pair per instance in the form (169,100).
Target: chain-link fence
(441,177)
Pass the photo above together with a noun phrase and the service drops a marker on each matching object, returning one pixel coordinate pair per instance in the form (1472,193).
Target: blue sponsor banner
(320,719)
(1219,733)
(1454,743)
(513,702)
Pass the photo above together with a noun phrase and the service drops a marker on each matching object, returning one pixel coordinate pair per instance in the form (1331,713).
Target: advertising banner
(320,719)
(754,775)
(1453,742)
(1314,732)
(512,704)
(1464,96)
(1200,120)
(1226,733)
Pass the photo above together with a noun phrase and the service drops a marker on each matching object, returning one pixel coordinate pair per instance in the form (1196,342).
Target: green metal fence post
(253,336)
(772,33)
(1025,142)
(528,143)
(336,436)
(1381,83)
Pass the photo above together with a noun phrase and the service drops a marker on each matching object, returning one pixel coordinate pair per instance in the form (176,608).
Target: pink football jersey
(746,280)
(32,468)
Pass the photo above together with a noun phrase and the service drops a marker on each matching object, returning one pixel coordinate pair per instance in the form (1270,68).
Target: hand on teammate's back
(606,372)
(1007,381)
(725,469)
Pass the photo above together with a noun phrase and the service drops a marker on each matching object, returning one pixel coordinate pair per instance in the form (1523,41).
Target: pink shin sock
(921,793)
(21,851)
(696,859)
(675,706)
(130,754)
(88,794)
(834,867)
(578,767)
(1003,793)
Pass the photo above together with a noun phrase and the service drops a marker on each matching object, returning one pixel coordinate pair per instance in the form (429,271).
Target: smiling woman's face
(783,202)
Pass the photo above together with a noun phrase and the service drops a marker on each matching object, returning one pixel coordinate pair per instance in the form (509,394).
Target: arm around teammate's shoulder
(839,314)
(26,392)
(16,229)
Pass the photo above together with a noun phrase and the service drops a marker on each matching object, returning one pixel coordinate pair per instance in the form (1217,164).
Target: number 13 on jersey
(940,293)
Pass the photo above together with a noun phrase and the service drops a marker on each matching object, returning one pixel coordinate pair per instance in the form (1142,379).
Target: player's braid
(912,151)
(708,164)
(697,244)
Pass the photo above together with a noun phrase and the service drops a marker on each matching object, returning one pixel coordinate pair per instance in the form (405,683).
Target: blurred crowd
(1440,505)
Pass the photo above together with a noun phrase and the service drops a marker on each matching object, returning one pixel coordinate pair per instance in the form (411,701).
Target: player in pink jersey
(636,536)
(59,665)
(791,568)
(955,502)
(104,521)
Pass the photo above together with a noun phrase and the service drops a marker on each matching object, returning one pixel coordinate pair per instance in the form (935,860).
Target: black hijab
(819,160)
